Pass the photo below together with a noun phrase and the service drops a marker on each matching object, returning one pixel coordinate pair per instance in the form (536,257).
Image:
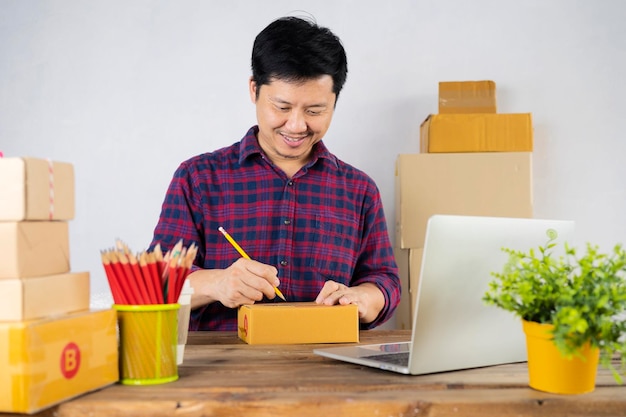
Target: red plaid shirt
(326,223)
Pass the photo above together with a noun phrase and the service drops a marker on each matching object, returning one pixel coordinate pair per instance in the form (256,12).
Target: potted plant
(573,306)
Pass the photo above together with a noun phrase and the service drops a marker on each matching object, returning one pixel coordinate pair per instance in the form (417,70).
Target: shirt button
(290,183)
(287,221)
(284,263)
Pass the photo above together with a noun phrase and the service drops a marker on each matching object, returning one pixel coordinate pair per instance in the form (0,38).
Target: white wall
(127,89)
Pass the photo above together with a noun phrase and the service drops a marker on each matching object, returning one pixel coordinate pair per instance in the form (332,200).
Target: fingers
(367,297)
(331,293)
(246,282)
(258,269)
(336,293)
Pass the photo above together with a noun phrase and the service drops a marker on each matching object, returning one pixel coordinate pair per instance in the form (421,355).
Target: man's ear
(253,90)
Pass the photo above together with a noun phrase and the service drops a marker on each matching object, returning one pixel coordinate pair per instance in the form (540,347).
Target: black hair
(294,49)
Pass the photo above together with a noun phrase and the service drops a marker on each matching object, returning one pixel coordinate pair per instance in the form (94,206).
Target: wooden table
(222,376)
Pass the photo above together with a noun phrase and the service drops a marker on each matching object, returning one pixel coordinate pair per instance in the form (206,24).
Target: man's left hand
(367,297)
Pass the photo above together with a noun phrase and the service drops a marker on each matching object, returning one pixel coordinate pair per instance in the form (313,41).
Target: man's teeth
(290,139)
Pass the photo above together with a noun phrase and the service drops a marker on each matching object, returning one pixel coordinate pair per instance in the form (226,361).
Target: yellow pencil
(245,255)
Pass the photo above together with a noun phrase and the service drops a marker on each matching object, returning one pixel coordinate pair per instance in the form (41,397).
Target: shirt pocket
(339,239)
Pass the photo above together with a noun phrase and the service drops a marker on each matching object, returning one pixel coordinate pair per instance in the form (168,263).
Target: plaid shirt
(326,223)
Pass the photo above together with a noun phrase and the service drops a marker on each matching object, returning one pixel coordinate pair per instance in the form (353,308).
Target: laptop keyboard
(396,358)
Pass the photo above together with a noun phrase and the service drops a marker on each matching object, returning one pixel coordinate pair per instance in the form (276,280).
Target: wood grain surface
(222,376)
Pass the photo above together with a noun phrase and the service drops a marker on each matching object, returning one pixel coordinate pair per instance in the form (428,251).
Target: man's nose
(296,122)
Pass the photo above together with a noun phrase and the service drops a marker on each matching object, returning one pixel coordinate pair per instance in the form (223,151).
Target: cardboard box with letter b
(47,361)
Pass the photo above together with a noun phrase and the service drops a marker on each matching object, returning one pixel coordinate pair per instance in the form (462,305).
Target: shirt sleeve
(179,219)
(376,263)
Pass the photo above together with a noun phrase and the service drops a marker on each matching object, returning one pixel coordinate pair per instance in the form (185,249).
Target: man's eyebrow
(282,101)
(318,105)
(278,100)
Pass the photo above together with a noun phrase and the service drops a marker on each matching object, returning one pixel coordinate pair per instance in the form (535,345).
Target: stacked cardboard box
(468,122)
(52,346)
(472,161)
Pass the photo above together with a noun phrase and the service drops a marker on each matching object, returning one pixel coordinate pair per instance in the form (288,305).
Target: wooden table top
(223,376)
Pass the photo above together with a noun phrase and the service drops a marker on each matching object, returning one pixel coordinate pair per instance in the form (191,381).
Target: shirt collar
(249,146)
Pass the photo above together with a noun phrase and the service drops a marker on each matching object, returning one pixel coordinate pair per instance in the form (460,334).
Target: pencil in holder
(148,343)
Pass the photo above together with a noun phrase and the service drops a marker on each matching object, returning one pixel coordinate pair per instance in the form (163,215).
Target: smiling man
(292,117)
(313,225)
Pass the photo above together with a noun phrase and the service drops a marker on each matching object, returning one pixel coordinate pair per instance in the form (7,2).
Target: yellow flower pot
(550,371)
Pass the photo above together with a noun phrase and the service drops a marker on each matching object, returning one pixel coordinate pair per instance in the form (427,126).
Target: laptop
(453,329)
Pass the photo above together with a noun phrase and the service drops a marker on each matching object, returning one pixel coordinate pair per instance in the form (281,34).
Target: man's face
(292,117)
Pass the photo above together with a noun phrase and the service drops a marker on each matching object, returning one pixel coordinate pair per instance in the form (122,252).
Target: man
(313,225)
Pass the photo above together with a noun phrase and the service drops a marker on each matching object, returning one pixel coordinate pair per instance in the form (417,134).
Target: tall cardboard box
(481,184)
(38,297)
(44,362)
(409,267)
(34,248)
(402,314)
(36,189)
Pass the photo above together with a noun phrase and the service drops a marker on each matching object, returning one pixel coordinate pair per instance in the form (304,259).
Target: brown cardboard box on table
(479,184)
(39,297)
(294,323)
(47,361)
(34,248)
(36,189)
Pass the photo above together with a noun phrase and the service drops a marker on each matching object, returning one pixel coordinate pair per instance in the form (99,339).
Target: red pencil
(114,284)
(150,278)
(155,275)
(136,282)
(121,278)
(178,275)
(126,280)
(186,263)
(145,285)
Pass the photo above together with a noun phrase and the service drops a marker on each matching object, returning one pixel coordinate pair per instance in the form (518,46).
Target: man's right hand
(244,282)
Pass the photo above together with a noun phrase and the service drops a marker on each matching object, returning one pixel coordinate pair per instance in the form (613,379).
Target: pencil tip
(279,294)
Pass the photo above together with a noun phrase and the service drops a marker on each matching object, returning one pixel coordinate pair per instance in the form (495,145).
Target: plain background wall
(127,89)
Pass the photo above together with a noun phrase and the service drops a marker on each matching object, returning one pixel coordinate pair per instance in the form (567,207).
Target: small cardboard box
(294,323)
(467,97)
(479,184)
(36,189)
(511,132)
(46,296)
(45,362)
(31,249)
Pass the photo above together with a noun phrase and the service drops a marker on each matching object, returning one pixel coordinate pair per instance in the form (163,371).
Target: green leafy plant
(583,297)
